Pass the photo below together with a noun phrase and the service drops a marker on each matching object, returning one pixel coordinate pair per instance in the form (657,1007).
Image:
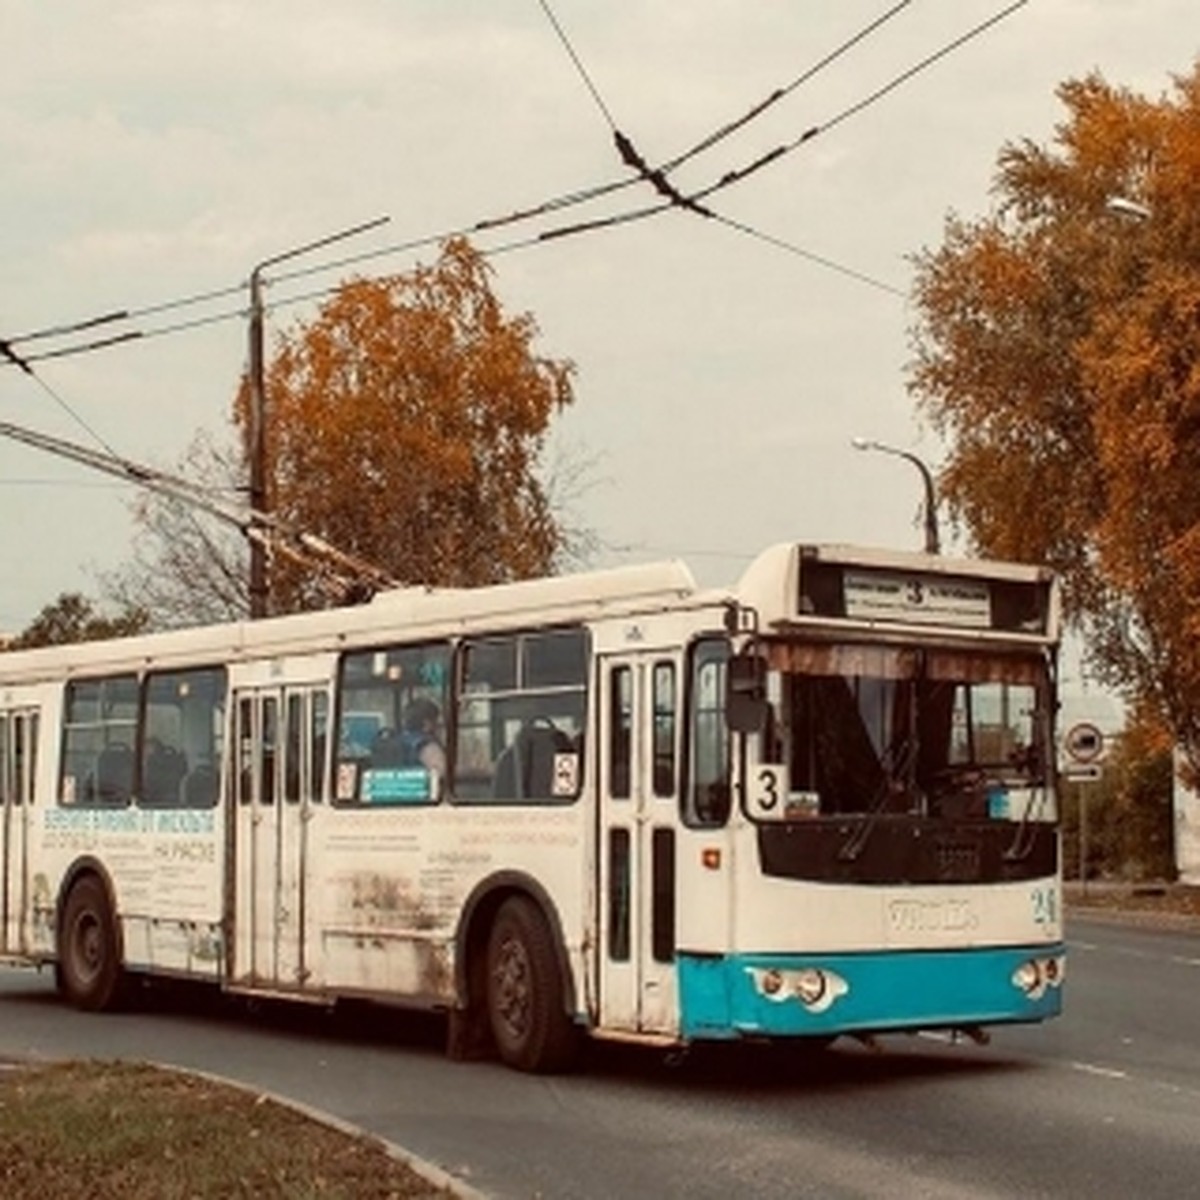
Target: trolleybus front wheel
(89,963)
(524,991)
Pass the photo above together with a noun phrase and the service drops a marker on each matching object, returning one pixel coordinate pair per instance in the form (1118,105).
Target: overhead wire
(583,72)
(657,176)
(780,93)
(544,208)
(599,191)
(694,200)
(675,199)
(126,314)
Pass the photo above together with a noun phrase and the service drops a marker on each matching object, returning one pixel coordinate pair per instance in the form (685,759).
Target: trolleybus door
(18,738)
(272,794)
(637,815)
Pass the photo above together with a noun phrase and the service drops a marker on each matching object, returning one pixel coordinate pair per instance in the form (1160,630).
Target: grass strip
(99,1130)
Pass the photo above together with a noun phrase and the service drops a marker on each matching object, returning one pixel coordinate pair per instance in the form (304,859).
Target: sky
(154,151)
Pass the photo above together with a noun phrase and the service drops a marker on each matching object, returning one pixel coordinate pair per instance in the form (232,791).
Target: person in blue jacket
(422,747)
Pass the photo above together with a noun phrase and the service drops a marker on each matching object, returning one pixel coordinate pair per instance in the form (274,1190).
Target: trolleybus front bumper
(792,995)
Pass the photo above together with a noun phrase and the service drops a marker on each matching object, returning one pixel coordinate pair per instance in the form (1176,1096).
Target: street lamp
(932,542)
(257,423)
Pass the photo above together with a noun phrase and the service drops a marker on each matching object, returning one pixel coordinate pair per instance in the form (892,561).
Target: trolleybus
(817,802)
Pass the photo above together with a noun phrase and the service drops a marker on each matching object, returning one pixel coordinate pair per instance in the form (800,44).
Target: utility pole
(256,447)
(932,540)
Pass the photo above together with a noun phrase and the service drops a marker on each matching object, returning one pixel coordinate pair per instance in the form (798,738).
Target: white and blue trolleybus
(818,802)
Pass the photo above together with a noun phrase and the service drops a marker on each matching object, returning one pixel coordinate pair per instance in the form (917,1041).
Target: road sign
(1084,772)
(1083,743)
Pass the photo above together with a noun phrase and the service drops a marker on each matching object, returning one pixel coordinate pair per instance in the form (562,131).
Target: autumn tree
(75,618)
(186,567)
(405,425)
(1056,349)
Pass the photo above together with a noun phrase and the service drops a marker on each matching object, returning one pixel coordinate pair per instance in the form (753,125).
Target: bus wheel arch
(89,963)
(510,925)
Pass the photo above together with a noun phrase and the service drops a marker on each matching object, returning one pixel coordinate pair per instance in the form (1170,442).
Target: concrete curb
(1131,917)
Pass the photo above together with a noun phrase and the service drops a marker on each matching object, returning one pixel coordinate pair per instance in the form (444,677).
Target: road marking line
(1185,962)
(1092,1069)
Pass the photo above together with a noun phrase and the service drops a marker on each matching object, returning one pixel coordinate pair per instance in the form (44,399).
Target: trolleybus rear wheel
(89,962)
(524,991)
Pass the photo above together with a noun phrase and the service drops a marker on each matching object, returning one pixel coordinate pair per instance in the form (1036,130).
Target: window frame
(91,798)
(348,773)
(501,706)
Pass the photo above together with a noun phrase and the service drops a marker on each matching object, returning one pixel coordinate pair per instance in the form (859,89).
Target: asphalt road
(1104,1102)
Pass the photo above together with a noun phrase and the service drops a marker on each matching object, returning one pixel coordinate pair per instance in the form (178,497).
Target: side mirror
(746,705)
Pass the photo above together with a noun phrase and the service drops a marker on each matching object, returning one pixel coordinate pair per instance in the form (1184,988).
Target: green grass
(97,1130)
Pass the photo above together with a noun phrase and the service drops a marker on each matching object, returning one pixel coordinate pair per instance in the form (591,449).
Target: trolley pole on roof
(932,540)
(256,433)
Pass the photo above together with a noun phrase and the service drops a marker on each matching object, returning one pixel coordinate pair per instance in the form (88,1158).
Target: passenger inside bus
(416,744)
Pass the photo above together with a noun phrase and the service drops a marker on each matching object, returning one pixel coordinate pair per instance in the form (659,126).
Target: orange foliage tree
(1056,348)
(405,425)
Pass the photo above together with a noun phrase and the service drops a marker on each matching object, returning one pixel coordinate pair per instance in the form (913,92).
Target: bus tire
(525,1006)
(89,969)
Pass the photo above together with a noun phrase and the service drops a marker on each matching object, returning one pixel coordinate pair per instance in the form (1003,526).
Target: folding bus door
(637,843)
(278,775)
(18,740)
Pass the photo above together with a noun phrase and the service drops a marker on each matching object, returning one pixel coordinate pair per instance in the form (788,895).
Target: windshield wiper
(1022,846)
(899,770)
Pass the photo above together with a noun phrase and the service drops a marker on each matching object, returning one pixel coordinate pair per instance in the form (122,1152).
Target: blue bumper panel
(789,995)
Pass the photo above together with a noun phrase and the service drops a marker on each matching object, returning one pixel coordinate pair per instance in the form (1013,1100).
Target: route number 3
(767,790)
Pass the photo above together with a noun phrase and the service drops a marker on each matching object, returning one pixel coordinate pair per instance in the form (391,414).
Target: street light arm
(932,538)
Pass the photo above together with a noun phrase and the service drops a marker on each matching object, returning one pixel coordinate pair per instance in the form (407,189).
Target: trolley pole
(256,432)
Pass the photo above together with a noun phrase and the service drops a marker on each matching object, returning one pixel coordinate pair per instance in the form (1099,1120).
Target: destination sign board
(886,594)
(919,599)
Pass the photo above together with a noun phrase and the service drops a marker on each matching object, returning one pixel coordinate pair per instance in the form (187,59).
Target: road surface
(1104,1102)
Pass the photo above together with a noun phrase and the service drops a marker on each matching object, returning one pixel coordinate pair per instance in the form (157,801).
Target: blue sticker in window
(396,785)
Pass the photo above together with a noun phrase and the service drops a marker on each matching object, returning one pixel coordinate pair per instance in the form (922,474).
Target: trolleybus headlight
(816,988)
(1027,976)
(1036,975)
(772,983)
(810,985)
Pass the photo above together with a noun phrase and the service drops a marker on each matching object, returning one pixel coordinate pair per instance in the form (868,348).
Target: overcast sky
(155,150)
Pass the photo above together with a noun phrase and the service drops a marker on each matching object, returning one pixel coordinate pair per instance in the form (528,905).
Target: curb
(1167,922)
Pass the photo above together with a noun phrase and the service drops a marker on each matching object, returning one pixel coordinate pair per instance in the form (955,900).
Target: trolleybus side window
(663,682)
(708,793)
(24,753)
(521,711)
(318,745)
(18,751)
(620,724)
(243,740)
(392,725)
(182,732)
(99,724)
